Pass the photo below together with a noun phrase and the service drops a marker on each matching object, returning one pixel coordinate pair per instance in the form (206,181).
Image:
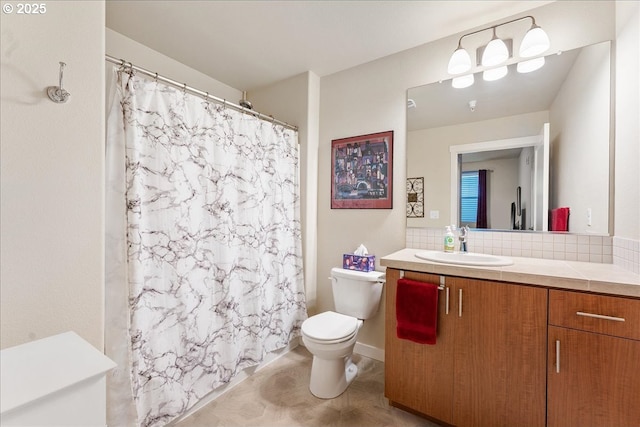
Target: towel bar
(441,287)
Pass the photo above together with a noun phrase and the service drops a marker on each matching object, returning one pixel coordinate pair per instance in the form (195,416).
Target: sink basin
(463,258)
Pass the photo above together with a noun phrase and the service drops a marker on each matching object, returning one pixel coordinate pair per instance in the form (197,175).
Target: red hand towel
(417,311)
(560,219)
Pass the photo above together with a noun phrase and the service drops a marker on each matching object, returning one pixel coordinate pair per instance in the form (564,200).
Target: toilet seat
(330,327)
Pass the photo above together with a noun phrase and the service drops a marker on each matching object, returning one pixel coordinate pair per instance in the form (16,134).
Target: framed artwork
(362,172)
(415,197)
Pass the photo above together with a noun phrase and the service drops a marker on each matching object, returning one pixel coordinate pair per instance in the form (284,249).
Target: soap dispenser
(449,243)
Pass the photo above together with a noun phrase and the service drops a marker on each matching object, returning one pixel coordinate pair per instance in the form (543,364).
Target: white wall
(52,174)
(372,98)
(359,101)
(627,125)
(296,100)
(122,47)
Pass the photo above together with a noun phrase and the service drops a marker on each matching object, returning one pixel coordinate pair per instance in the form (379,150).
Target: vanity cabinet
(488,366)
(419,377)
(593,360)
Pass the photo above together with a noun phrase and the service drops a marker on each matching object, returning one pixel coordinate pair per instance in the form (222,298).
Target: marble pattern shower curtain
(204,259)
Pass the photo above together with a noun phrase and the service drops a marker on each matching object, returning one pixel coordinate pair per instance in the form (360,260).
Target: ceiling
(251,44)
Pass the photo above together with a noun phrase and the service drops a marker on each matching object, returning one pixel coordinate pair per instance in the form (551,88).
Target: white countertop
(583,276)
(39,368)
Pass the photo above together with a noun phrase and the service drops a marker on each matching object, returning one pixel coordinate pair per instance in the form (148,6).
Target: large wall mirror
(499,127)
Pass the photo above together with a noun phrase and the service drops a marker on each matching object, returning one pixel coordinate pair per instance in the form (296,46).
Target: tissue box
(358,262)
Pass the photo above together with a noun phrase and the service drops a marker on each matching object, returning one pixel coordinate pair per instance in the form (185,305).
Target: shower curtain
(203,253)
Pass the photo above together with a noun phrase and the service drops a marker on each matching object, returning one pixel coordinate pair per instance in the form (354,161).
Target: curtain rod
(184,87)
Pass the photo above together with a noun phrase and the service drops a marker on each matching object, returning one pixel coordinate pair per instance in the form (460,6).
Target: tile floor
(278,395)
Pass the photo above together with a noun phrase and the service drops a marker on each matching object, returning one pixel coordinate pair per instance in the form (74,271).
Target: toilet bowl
(331,336)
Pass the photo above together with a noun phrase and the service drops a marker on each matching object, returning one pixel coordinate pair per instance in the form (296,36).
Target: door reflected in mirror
(571,92)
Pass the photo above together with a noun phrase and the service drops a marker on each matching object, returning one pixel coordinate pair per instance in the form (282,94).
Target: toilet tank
(357,293)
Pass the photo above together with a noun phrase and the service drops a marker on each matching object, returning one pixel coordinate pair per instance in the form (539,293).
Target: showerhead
(244,103)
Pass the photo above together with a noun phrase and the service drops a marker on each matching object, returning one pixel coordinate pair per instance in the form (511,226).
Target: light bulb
(495,53)
(530,65)
(534,42)
(495,73)
(462,81)
(460,61)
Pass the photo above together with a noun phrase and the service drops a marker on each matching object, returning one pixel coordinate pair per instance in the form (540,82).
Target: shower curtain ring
(156,78)
(123,65)
(184,88)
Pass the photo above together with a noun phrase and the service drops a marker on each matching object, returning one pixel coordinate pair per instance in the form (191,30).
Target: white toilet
(331,336)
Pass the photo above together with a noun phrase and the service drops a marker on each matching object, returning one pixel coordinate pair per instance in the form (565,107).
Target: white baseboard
(369,351)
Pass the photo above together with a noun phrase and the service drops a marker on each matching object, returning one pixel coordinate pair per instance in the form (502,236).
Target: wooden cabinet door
(597,382)
(500,354)
(419,376)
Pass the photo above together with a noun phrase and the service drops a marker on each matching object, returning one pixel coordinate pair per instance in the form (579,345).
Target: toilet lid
(329,326)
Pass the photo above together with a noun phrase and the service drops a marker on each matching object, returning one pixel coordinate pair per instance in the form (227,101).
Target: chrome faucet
(464,231)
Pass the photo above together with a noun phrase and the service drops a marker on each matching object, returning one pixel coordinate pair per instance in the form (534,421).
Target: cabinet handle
(600,316)
(446,308)
(557,356)
(460,304)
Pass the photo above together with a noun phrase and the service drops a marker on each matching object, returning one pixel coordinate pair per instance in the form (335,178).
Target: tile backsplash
(626,253)
(570,247)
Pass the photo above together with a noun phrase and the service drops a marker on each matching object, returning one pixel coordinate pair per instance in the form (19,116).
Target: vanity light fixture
(462,81)
(494,73)
(497,52)
(460,61)
(530,65)
(534,42)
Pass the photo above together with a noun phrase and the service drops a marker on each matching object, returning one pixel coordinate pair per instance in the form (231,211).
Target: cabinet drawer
(614,316)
